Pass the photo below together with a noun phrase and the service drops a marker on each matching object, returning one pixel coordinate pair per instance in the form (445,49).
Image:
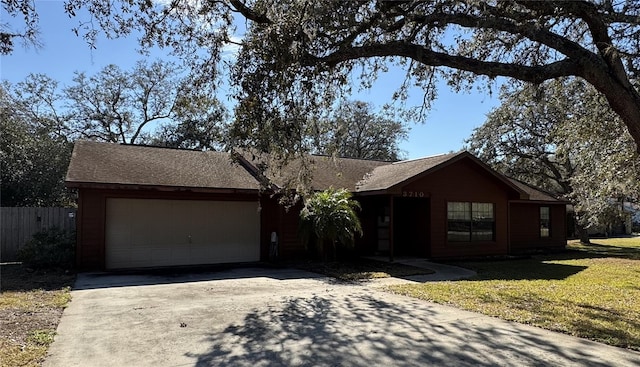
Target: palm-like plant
(331,216)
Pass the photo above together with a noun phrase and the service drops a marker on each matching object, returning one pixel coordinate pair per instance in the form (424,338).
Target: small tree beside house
(331,217)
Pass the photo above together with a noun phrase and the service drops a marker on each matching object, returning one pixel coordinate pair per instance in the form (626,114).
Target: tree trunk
(582,232)
(621,95)
(628,107)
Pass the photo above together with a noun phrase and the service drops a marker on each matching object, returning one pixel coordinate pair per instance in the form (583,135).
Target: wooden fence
(17,226)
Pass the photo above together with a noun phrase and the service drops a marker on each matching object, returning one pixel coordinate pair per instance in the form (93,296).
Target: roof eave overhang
(120,186)
(370,192)
(548,202)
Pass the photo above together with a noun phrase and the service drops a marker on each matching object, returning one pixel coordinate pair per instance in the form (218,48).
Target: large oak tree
(563,137)
(40,119)
(150,103)
(297,57)
(311,47)
(118,106)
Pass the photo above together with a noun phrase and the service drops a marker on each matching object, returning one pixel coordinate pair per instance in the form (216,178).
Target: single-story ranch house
(142,206)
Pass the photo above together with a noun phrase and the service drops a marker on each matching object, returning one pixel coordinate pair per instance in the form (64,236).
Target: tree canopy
(297,57)
(203,131)
(562,136)
(354,130)
(118,105)
(34,157)
(41,120)
(151,103)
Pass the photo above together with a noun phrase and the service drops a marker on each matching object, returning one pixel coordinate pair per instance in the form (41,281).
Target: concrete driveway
(266,317)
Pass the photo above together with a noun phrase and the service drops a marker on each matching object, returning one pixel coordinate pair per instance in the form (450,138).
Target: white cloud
(231,49)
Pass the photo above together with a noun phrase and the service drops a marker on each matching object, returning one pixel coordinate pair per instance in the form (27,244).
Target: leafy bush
(50,248)
(331,216)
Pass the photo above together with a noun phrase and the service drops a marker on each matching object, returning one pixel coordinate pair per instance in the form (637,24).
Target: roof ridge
(427,157)
(149,146)
(161,147)
(351,159)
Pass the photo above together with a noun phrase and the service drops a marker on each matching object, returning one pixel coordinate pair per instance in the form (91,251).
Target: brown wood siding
(91,224)
(291,245)
(90,251)
(525,227)
(275,218)
(268,224)
(466,182)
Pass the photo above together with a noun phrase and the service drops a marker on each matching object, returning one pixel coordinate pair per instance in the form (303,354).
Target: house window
(545,222)
(470,222)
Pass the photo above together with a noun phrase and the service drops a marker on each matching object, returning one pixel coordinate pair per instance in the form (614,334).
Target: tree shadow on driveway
(177,275)
(361,329)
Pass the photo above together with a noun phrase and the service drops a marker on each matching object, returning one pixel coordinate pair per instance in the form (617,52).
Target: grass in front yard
(31,304)
(591,291)
(362,269)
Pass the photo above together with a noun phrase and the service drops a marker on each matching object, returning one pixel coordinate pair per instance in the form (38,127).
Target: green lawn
(31,303)
(591,291)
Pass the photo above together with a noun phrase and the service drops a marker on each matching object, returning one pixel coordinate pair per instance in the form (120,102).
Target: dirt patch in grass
(588,292)
(31,303)
(362,269)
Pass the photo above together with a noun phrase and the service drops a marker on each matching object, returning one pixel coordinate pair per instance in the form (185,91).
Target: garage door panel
(121,236)
(149,232)
(181,255)
(162,257)
(120,257)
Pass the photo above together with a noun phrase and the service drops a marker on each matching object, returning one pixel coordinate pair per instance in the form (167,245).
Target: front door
(411,227)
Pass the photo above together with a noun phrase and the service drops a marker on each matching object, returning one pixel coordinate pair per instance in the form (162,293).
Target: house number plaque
(413,194)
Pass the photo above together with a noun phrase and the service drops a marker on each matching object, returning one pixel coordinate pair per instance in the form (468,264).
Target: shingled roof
(326,171)
(386,176)
(534,193)
(341,172)
(95,163)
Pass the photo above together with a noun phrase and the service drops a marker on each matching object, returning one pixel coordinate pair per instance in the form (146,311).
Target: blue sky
(450,121)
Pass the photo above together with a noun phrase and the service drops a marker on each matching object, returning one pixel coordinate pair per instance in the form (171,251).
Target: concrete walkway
(285,317)
(442,272)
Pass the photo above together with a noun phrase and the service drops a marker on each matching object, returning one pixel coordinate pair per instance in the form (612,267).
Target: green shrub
(50,248)
(330,217)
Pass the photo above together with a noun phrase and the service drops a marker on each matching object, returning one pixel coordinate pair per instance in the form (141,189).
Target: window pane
(544,212)
(459,221)
(482,231)
(483,222)
(459,231)
(545,221)
(482,211)
(458,211)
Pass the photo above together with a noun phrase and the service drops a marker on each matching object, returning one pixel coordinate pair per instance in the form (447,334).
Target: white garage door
(146,232)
